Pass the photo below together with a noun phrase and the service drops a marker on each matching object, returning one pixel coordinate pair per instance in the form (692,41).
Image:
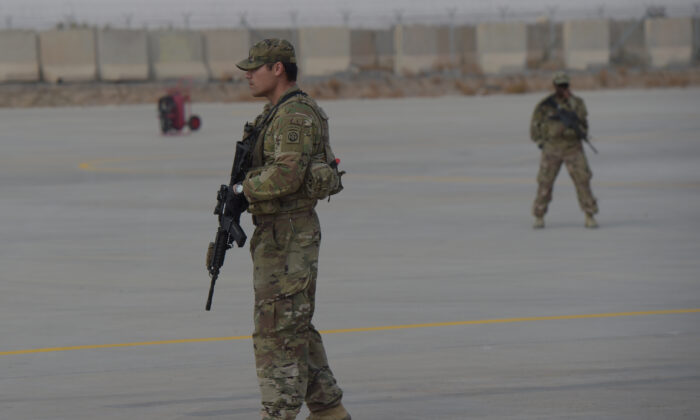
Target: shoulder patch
(297,121)
(294,130)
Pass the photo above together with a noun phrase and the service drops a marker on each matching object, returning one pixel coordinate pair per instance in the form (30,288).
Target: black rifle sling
(284,99)
(565,116)
(574,120)
(255,146)
(249,144)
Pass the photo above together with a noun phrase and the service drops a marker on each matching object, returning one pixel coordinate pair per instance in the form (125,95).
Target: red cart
(174,112)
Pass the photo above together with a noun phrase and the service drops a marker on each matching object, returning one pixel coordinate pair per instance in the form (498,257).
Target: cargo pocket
(280,385)
(302,255)
(284,260)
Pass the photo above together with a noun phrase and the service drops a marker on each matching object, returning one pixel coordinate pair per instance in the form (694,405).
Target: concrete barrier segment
(627,43)
(669,41)
(363,49)
(544,45)
(122,55)
(323,50)
(68,55)
(501,46)
(19,56)
(586,44)
(178,54)
(416,49)
(223,49)
(258,34)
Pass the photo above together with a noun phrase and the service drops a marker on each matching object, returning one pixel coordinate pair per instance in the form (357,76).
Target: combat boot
(334,413)
(590,221)
(539,223)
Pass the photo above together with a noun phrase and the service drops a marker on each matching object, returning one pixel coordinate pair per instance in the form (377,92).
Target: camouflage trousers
(290,359)
(577,165)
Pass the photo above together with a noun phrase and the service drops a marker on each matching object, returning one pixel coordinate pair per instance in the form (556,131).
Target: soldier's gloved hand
(210,254)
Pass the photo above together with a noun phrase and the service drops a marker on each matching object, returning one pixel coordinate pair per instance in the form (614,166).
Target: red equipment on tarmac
(174,112)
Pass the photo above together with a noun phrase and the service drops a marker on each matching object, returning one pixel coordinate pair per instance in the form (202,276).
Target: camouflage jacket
(286,145)
(546,130)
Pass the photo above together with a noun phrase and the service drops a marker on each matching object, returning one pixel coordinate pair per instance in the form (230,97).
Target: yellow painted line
(94,165)
(363,329)
(511,320)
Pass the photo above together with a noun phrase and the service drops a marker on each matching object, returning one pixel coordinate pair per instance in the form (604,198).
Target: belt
(261,219)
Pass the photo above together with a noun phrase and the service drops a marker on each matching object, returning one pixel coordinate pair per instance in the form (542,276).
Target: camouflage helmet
(560,78)
(268,51)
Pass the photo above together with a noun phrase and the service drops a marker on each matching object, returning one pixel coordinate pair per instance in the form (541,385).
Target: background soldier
(560,140)
(290,359)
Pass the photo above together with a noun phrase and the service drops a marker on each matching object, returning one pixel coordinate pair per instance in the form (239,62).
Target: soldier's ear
(278,68)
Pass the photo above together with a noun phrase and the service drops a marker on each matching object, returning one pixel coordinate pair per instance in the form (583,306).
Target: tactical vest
(322,177)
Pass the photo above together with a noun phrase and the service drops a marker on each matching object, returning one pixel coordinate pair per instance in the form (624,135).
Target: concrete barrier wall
(416,49)
(122,55)
(544,45)
(19,56)
(696,39)
(372,49)
(323,50)
(465,37)
(627,43)
(68,55)
(291,35)
(386,50)
(586,44)
(223,49)
(449,55)
(363,49)
(501,47)
(177,54)
(669,41)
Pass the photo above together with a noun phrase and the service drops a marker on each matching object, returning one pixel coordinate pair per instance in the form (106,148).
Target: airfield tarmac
(437,298)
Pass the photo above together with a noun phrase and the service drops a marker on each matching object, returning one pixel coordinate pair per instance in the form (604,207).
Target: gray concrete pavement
(104,224)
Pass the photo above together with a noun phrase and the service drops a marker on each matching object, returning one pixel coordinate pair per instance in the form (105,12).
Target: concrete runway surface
(104,225)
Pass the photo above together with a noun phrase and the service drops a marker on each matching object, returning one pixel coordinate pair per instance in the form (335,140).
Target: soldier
(290,359)
(561,144)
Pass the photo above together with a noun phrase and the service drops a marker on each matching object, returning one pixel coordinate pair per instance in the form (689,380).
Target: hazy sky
(42,14)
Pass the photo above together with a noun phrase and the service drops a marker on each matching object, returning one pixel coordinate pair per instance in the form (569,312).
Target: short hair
(290,69)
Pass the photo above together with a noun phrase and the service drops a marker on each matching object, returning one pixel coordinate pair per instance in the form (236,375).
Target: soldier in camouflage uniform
(560,144)
(290,359)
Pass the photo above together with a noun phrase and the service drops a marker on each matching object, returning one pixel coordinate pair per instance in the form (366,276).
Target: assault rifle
(569,119)
(230,206)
